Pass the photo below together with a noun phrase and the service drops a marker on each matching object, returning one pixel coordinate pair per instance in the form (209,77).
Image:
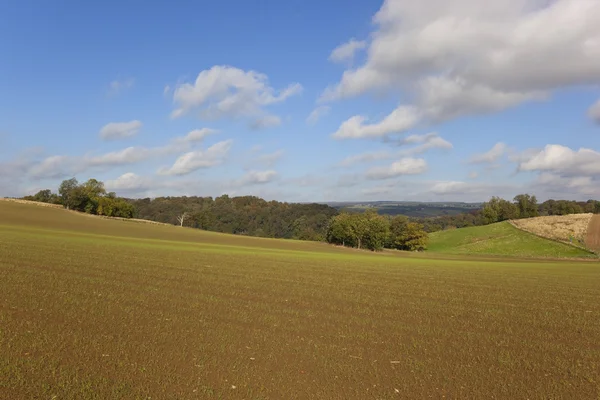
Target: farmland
(501,239)
(92,308)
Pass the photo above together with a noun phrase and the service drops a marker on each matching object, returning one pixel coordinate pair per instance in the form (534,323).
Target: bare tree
(181,218)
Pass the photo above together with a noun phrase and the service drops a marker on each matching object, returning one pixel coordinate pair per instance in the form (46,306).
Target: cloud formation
(195,160)
(120,130)
(490,156)
(400,120)
(345,52)
(405,166)
(227,92)
(462,57)
(594,112)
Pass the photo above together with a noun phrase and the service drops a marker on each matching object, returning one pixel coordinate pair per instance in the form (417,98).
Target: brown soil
(592,239)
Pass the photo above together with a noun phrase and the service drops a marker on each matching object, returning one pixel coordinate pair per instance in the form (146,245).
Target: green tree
(69,195)
(527,205)
(412,238)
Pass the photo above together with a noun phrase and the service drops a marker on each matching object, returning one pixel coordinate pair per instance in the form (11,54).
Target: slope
(500,239)
(92,308)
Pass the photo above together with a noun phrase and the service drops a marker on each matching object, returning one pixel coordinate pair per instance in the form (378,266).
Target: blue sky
(303,100)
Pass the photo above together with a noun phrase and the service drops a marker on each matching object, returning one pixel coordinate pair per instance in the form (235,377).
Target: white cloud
(345,52)
(461,57)
(400,120)
(130,182)
(491,156)
(194,160)
(266,121)
(317,114)
(365,158)
(427,142)
(118,86)
(51,167)
(405,166)
(258,177)
(197,135)
(228,92)
(129,155)
(594,112)
(120,130)
(563,161)
(473,175)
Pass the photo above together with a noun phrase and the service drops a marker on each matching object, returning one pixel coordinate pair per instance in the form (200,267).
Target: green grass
(501,239)
(100,309)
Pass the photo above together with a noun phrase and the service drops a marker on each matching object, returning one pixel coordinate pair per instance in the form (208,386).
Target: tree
(412,238)
(68,193)
(181,218)
(527,205)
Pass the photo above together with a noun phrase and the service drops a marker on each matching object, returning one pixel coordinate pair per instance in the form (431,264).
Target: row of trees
(244,215)
(372,231)
(89,197)
(497,210)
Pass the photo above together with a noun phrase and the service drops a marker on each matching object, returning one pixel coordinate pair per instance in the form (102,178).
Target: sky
(430,100)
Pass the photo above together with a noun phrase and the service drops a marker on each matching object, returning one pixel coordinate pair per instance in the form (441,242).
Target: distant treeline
(245,215)
(497,210)
(253,216)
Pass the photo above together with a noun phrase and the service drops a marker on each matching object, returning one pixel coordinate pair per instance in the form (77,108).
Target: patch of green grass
(501,239)
(101,309)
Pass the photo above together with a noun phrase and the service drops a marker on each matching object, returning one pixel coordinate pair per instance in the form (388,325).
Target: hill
(97,308)
(571,229)
(500,239)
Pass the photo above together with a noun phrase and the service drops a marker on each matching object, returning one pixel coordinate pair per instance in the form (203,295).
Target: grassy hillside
(501,239)
(92,308)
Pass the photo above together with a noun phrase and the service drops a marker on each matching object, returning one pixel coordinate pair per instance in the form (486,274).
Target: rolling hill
(501,239)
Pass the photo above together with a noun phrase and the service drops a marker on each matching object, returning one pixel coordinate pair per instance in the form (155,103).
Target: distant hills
(409,208)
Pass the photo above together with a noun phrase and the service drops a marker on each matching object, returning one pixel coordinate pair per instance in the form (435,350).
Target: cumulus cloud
(258,177)
(425,143)
(52,167)
(461,57)
(120,130)
(317,114)
(400,120)
(563,161)
(197,135)
(594,112)
(195,160)
(405,166)
(491,156)
(365,157)
(129,155)
(227,92)
(130,182)
(345,52)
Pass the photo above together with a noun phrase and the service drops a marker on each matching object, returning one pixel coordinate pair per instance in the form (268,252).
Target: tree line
(369,230)
(253,216)
(89,197)
(498,210)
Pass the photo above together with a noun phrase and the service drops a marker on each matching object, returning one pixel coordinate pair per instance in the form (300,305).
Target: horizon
(431,101)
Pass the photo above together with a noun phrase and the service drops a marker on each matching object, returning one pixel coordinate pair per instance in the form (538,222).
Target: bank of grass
(501,239)
(97,309)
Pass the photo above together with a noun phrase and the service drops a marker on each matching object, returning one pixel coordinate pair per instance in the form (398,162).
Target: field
(565,228)
(592,239)
(92,308)
(501,239)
